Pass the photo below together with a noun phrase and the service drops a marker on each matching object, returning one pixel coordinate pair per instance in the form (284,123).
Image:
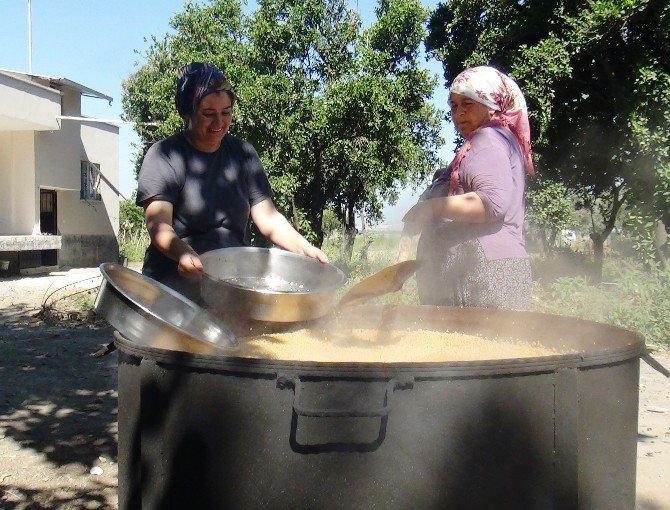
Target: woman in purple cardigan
(471,218)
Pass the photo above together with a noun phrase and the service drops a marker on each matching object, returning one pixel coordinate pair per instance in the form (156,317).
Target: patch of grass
(629,297)
(83,300)
(132,245)
(71,310)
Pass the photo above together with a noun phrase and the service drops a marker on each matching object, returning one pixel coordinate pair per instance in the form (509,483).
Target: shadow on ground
(59,401)
(33,499)
(18,316)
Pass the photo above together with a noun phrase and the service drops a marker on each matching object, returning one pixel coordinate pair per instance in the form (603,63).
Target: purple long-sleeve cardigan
(492,168)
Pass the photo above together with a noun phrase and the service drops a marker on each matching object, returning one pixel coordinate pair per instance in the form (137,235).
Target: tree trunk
(598,255)
(599,238)
(349,233)
(294,210)
(661,247)
(551,245)
(316,222)
(348,246)
(545,242)
(364,250)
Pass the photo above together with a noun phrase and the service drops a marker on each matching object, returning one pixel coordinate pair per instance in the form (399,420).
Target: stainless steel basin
(268,284)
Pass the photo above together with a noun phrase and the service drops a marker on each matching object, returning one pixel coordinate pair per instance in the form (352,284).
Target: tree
(550,211)
(131,217)
(340,116)
(212,32)
(595,75)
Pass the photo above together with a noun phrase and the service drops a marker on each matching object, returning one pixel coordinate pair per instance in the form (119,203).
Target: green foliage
(642,228)
(340,117)
(84,301)
(132,247)
(131,216)
(550,210)
(133,236)
(331,224)
(631,298)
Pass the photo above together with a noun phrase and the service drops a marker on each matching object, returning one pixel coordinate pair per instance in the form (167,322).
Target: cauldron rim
(632,347)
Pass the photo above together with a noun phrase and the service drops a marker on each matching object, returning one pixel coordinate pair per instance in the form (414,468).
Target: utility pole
(30,42)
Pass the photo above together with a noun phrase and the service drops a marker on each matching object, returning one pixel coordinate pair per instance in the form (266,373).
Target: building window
(90,181)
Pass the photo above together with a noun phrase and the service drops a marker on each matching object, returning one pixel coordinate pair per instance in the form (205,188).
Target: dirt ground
(58,403)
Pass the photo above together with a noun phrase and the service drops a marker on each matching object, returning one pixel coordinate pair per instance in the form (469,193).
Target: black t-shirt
(211,194)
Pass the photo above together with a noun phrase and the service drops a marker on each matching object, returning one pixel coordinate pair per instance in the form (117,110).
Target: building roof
(59,82)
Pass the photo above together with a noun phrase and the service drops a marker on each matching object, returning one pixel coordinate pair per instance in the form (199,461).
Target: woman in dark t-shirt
(200,186)
(471,219)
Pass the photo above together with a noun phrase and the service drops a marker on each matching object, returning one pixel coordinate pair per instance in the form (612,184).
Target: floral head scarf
(499,92)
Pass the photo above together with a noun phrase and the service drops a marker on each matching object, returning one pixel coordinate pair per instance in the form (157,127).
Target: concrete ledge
(30,271)
(26,243)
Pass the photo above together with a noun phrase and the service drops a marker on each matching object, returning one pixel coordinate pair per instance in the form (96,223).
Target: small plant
(133,245)
(69,307)
(133,236)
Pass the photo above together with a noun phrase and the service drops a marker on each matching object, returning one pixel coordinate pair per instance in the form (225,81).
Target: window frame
(91,177)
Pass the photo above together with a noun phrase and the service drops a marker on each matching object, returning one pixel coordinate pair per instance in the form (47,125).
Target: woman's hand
(404,247)
(190,265)
(158,218)
(315,253)
(273,225)
(417,217)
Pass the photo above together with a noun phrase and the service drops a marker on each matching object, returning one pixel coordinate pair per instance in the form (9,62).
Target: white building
(59,176)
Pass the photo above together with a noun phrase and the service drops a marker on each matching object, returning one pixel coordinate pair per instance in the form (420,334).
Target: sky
(99,43)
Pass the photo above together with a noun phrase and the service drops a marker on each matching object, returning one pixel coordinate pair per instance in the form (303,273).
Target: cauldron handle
(284,381)
(655,364)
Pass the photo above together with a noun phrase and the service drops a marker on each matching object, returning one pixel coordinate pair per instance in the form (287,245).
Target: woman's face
(209,123)
(468,114)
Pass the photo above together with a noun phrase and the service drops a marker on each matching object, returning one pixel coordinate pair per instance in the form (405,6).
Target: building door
(48,224)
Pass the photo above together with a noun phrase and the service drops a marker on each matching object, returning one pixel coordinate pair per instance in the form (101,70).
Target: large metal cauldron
(219,432)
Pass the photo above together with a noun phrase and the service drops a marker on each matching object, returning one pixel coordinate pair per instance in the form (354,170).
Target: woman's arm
(158,219)
(467,207)
(273,225)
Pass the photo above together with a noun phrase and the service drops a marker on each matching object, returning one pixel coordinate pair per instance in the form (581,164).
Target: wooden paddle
(389,279)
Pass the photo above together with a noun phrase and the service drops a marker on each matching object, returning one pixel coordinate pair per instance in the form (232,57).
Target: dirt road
(58,404)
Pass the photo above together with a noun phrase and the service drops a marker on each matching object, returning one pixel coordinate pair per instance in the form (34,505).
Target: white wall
(27,106)
(18,203)
(57,157)
(99,144)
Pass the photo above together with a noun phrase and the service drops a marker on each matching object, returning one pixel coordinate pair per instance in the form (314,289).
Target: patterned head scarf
(499,92)
(197,80)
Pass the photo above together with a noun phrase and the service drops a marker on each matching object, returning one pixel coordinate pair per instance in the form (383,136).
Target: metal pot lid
(141,305)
